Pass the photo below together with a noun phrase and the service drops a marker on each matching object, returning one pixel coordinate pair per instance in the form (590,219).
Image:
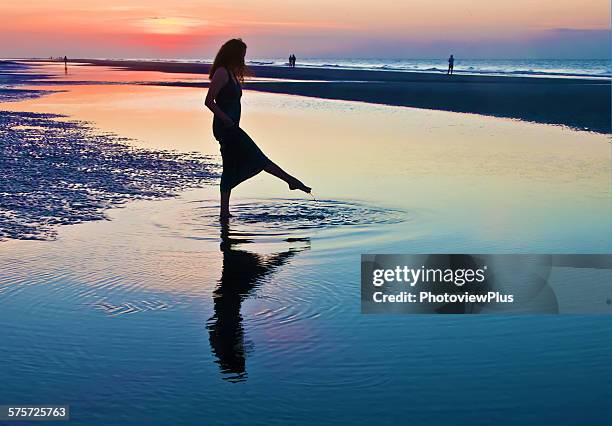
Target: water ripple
(280,220)
(130,307)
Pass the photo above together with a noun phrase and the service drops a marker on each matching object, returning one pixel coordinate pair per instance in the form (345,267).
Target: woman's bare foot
(296,184)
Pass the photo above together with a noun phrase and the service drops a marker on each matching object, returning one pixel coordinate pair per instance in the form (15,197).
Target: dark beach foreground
(579,103)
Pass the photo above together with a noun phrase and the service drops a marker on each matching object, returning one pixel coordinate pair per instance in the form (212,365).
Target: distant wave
(467,70)
(595,68)
(541,68)
(261,63)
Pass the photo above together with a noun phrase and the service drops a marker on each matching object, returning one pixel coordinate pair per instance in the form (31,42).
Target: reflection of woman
(242,158)
(241,274)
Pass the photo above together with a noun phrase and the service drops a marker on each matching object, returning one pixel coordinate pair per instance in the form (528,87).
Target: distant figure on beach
(292,60)
(451,64)
(242,158)
(65,64)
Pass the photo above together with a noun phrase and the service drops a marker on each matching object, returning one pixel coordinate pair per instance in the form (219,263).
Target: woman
(242,158)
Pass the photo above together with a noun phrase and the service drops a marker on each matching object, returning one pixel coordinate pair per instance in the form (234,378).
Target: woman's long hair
(231,57)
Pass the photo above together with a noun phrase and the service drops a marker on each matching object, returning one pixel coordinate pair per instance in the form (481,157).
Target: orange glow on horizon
(198,26)
(169,25)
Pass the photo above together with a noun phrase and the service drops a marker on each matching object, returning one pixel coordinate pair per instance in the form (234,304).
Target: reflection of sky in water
(123,310)
(85,73)
(484,182)
(102,74)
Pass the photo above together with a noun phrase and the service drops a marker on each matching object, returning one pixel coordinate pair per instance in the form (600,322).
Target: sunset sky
(315,28)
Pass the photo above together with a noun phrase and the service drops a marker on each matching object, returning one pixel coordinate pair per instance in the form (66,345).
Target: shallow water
(162,315)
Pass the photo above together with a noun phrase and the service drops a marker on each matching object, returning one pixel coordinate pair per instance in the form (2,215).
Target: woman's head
(231,57)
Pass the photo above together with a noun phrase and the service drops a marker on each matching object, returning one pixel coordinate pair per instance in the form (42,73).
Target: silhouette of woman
(242,273)
(242,158)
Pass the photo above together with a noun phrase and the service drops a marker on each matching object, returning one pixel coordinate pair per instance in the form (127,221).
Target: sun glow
(169,25)
(313,28)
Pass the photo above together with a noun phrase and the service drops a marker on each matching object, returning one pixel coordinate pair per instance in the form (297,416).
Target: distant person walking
(451,65)
(65,64)
(293,60)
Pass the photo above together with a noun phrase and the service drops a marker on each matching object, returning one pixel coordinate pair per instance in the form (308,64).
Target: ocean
(526,67)
(588,68)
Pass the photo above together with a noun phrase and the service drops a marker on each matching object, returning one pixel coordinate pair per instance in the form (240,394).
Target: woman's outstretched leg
(225,197)
(294,183)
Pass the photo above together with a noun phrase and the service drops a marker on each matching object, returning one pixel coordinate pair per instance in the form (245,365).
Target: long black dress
(242,158)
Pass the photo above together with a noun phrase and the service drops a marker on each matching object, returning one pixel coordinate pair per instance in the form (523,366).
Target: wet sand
(578,103)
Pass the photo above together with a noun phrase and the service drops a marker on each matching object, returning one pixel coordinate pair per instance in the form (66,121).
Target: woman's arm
(220,79)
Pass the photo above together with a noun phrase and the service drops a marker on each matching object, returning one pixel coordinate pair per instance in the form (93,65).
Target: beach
(581,103)
(149,301)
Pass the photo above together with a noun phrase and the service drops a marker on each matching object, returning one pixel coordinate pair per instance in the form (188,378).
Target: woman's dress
(242,158)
